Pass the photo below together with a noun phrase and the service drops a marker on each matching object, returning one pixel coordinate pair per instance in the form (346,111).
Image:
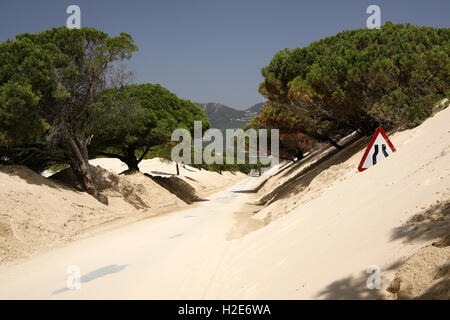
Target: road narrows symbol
(373,154)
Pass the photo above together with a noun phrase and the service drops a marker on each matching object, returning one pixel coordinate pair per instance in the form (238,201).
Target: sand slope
(328,232)
(204,182)
(37,213)
(343,222)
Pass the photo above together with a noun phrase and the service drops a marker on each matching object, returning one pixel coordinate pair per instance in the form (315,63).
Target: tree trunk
(132,164)
(333,143)
(77,172)
(80,165)
(299,155)
(130,160)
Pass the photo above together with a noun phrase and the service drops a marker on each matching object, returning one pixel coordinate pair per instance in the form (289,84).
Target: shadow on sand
(101,272)
(319,163)
(432,223)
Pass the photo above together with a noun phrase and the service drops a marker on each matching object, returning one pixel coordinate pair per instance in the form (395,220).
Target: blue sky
(212,51)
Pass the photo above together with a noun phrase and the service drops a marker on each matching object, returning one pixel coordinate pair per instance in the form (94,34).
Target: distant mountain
(256,108)
(224,117)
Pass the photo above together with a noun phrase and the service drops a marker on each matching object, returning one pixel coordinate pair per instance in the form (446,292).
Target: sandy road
(173,256)
(345,223)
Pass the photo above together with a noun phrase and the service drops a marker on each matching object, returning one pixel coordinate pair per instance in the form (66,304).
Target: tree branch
(144,154)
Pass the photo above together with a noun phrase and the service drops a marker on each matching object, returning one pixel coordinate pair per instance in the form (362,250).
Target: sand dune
(316,237)
(37,213)
(204,182)
(342,222)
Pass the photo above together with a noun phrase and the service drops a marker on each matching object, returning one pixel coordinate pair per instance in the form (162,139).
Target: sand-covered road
(171,256)
(324,239)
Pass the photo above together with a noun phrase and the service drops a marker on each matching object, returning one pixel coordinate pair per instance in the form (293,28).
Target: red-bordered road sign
(380,147)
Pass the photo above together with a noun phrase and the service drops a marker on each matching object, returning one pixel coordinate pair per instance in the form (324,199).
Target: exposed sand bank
(316,238)
(339,222)
(37,213)
(204,182)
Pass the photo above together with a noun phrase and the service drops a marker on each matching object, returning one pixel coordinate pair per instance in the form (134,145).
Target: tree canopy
(60,102)
(50,83)
(359,80)
(293,143)
(151,114)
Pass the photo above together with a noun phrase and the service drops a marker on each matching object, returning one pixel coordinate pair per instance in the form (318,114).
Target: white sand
(37,214)
(320,247)
(204,182)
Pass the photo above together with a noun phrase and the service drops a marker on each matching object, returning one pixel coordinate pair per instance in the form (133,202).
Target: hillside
(224,117)
(322,233)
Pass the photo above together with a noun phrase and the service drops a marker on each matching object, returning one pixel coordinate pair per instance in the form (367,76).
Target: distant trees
(50,84)
(293,142)
(359,80)
(152,114)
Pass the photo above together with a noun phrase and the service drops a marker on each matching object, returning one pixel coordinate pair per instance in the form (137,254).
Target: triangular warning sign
(380,147)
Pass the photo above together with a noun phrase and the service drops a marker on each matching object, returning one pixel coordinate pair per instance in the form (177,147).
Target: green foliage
(160,151)
(49,84)
(244,168)
(148,115)
(361,79)
(293,143)
(18,114)
(164,151)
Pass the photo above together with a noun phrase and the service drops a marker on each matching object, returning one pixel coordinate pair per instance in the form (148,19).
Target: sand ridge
(38,213)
